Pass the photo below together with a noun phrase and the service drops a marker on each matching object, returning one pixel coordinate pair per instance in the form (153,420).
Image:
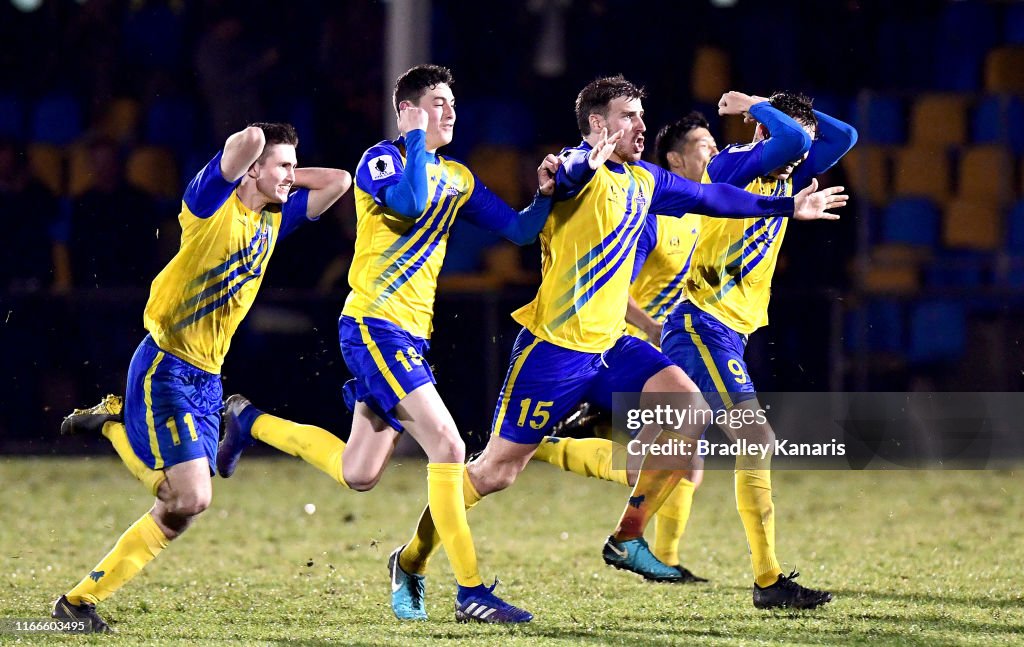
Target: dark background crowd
(108,107)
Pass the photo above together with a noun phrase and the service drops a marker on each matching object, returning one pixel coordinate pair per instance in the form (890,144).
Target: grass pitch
(913,558)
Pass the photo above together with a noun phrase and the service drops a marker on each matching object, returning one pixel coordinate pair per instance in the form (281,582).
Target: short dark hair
(796,105)
(414,83)
(595,97)
(277,133)
(670,136)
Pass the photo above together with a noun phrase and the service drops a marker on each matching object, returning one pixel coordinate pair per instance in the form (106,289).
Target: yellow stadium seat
(120,120)
(498,168)
(985,174)
(922,171)
(939,120)
(1004,70)
(153,170)
(711,75)
(80,173)
(893,268)
(972,224)
(46,162)
(867,172)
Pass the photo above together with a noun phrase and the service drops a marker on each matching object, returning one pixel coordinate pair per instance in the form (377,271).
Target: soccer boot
(64,610)
(236,437)
(481,605)
(788,594)
(634,555)
(90,421)
(407,590)
(686,575)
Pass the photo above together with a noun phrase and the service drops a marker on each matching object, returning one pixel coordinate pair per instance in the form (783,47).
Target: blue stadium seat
(57,120)
(1013,24)
(12,117)
(997,119)
(1015,230)
(880,119)
(171,122)
(883,327)
(966,32)
(958,269)
(911,221)
(938,331)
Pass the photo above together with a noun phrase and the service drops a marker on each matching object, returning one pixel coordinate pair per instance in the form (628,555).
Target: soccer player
(727,291)
(572,345)
(683,147)
(234,212)
(407,198)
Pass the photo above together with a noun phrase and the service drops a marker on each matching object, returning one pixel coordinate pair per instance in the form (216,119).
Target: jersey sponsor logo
(741,149)
(381,167)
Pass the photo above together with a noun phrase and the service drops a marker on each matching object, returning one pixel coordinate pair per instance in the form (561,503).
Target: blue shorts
(387,363)
(710,353)
(545,382)
(171,408)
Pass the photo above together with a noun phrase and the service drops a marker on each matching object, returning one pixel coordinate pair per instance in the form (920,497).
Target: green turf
(920,558)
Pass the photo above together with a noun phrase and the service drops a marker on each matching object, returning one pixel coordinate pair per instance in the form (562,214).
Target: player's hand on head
(411,118)
(811,204)
(734,103)
(603,148)
(546,174)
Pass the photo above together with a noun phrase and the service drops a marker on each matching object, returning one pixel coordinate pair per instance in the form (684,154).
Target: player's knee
(449,447)
(361,480)
(498,479)
(191,504)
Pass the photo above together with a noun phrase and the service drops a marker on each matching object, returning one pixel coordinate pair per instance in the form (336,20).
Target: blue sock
(466,592)
(248,417)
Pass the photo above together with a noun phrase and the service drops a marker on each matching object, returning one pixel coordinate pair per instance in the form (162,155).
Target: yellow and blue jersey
(663,256)
(398,256)
(198,300)
(588,244)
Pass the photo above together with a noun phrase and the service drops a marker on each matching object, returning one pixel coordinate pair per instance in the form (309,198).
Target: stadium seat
(958,269)
(153,170)
(911,221)
(1003,70)
(972,224)
(867,171)
(120,120)
(938,331)
(1015,229)
(498,168)
(56,120)
(46,162)
(986,174)
(997,120)
(922,171)
(171,123)
(80,173)
(878,328)
(1013,24)
(12,117)
(939,120)
(892,269)
(711,76)
(879,119)
(966,31)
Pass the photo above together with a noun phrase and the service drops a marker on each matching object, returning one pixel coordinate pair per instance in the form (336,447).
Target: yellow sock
(136,547)
(584,456)
(754,503)
(425,541)
(670,522)
(445,498)
(116,433)
(318,447)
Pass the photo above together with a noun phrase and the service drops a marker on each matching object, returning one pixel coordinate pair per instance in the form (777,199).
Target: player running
(234,212)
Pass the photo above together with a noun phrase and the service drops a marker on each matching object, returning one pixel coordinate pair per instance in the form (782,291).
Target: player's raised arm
(325,186)
(241,150)
(787,141)
(835,139)
(488,211)
(408,197)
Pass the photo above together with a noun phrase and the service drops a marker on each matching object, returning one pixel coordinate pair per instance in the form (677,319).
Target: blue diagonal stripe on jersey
(671,291)
(255,271)
(234,258)
(422,220)
(256,267)
(752,262)
(623,229)
(584,260)
(424,226)
(409,272)
(599,283)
